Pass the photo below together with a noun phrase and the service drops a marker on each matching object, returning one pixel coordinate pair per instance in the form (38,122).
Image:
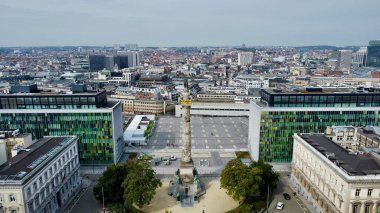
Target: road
(294,205)
(87,202)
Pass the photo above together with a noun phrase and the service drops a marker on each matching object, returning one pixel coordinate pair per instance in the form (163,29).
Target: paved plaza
(206,133)
(214,142)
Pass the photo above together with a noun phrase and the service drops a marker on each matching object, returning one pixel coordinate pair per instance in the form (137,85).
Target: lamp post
(104,208)
(268,200)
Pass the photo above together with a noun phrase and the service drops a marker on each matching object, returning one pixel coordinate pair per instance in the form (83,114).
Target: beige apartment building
(334,179)
(10,140)
(134,106)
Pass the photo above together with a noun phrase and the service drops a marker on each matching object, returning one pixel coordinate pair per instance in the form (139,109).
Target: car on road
(166,158)
(280,206)
(173,158)
(166,162)
(286,196)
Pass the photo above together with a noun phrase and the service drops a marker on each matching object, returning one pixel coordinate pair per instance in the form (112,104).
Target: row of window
(44,194)
(212,109)
(277,128)
(53,170)
(369,192)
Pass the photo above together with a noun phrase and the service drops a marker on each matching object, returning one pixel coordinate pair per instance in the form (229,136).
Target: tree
(240,180)
(269,177)
(111,181)
(140,185)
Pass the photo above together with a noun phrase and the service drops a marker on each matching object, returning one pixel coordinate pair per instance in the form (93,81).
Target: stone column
(374,207)
(362,207)
(186,149)
(350,207)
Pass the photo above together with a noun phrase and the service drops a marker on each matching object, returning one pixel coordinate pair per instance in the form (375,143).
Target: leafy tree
(269,176)
(242,181)
(111,181)
(140,185)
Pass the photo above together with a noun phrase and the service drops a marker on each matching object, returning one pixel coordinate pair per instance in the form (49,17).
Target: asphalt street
(294,205)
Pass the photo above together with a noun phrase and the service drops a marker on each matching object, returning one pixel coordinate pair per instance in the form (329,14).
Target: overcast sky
(189,22)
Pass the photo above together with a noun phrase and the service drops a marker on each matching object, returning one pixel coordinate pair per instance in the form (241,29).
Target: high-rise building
(43,178)
(360,57)
(134,59)
(124,59)
(100,62)
(245,58)
(109,63)
(280,114)
(121,60)
(373,59)
(87,114)
(344,60)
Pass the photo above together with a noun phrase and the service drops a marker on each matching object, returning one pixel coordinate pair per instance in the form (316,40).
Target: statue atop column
(186,181)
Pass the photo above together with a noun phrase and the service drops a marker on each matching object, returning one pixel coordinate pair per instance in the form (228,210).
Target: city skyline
(188,23)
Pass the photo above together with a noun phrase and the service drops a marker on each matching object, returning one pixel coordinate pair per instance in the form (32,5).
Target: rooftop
(354,164)
(52,93)
(40,153)
(318,91)
(371,132)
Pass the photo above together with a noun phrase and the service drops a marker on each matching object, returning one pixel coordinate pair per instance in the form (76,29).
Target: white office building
(245,58)
(360,57)
(43,178)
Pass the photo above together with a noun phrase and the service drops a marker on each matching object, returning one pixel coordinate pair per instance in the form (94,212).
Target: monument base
(186,186)
(186,172)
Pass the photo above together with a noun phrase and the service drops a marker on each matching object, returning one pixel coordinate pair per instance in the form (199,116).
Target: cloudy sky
(188,22)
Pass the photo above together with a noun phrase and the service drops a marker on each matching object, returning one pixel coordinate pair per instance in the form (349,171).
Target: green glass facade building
(94,120)
(373,57)
(274,121)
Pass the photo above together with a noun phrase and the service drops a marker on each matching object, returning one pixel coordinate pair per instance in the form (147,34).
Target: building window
(355,209)
(357,193)
(369,193)
(30,206)
(367,208)
(28,192)
(34,187)
(12,198)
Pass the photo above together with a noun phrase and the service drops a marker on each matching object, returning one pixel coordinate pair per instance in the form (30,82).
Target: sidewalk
(300,197)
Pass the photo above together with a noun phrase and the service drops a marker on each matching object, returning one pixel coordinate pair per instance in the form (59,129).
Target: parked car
(166,162)
(166,158)
(286,196)
(280,206)
(173,158)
